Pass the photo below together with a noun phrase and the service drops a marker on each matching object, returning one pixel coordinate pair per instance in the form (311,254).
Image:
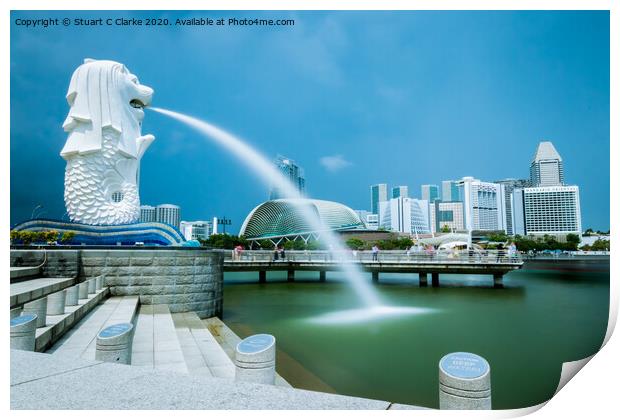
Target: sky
(355,98)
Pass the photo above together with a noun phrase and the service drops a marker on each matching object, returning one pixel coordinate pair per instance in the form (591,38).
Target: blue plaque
(115,330)
(464,365)
(256,343)
(22,319)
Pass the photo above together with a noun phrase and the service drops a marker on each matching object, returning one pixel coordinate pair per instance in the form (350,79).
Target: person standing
(375,252)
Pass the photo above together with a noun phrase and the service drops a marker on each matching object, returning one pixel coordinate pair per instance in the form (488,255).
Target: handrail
(402,257)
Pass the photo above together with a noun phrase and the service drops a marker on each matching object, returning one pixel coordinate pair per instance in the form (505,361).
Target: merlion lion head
(103,95)
(104,144)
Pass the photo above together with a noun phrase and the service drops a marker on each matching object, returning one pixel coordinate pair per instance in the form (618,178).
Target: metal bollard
(99,283)
(23,329)
(92,286)
(114,344)
(39,308)
(83,290)
(464,382)
(15,312)
(56,303)
(255,359)
(71,298)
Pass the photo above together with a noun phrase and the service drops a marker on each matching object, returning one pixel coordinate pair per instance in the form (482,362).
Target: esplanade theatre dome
(282,218)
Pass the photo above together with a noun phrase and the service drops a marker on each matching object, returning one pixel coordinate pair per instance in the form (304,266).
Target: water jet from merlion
(264,169)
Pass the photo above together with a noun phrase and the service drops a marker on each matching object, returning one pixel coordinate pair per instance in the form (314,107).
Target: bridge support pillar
(375,277)
(322,276)
(498,280)
(435,279)
(423,279)
(290,276)
(262,277)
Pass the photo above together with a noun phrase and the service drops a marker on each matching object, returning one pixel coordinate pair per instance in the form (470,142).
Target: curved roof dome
(282,218)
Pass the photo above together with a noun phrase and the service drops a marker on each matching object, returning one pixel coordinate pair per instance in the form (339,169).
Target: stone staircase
(25,289)
(163,341)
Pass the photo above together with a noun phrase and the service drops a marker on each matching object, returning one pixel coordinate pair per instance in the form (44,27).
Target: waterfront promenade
(495,263)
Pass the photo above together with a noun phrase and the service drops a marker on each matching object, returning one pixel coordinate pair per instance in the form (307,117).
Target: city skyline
(415,124)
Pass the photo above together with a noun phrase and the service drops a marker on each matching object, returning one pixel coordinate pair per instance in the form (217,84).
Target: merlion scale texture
(105,145)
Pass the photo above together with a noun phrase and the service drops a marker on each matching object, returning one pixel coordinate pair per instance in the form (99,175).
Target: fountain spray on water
(266,170)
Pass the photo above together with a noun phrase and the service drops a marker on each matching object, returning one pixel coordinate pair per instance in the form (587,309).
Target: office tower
(405,215)
(293,173)
(447,214)
(196,230)
(543,211)
(546,168)
(400,191)
(449,191)
(378,193)
(509,186)
(148,214)
(169,214)
(483,204)
(430,192)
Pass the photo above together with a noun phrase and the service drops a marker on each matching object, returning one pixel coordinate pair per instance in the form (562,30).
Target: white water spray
(270,175)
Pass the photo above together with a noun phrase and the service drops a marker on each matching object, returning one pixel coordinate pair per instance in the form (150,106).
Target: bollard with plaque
(464,382)
(56,303)
(255,359)
(71,298)
(39,308)
(15,312)
(99,282)
(23,329)
(83,290)
(92,285)
(114,343)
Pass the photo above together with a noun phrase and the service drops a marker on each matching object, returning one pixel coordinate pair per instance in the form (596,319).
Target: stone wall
(60,263)
(187,279)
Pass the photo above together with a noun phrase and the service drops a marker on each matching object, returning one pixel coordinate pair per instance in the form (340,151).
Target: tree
(67,237)
(355,243)
(445,229)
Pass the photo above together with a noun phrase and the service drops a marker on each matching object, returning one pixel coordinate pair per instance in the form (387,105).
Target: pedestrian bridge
(492,262)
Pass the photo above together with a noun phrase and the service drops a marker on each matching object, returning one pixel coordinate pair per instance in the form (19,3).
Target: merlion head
(104,95)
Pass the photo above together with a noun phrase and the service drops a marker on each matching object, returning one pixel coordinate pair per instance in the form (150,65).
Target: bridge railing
(402,257)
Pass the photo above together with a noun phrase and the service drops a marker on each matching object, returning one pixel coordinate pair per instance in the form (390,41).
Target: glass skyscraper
(378,193)
(293,173)
(430,192)
(400,191)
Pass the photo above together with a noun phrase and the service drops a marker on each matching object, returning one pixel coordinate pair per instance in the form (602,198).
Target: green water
(547,313)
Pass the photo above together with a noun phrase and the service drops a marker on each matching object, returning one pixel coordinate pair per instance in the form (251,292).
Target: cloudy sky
(355,98)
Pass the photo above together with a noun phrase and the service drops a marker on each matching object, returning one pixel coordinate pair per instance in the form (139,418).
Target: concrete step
(24,273)
(29,290)
(57,325)
(203,355)
(155,341)
(81,340)
(228,341)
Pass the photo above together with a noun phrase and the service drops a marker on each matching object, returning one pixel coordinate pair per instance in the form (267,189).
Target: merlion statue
(105,145)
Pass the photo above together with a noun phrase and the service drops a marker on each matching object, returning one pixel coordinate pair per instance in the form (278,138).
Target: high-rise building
(148,213)
(430,192)
(447,213)
(509,186)
(546,168)
(483,204)
(449,191)
(169,214)
(548,207)
(371,220)
(293,173)
(405,215)
(551,210)
(378,193)
(196,230)
(400,191)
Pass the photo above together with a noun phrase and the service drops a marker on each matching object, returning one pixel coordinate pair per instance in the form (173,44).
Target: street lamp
(35,209)
(224,222)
